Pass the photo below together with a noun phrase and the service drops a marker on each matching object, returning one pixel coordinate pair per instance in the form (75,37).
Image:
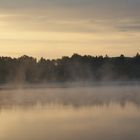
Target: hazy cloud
(82,26)
(107,8)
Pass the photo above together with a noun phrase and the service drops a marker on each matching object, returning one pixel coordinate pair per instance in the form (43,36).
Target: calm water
(97,113)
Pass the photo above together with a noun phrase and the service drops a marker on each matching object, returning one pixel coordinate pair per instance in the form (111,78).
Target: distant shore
(86,70)
(7,86)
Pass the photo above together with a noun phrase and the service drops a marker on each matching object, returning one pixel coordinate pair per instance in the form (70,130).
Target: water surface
(85,113)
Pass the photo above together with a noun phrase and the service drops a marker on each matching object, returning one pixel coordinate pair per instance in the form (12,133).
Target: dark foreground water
(85,113)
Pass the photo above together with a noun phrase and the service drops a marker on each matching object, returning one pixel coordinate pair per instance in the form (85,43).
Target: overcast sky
(53,28)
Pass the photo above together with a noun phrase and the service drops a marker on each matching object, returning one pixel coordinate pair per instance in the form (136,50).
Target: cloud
(131,26)
(87,26)
(75,8)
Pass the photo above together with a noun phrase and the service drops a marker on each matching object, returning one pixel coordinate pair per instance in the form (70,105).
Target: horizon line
(69,56)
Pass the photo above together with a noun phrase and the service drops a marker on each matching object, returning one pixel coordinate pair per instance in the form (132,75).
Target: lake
(70,113)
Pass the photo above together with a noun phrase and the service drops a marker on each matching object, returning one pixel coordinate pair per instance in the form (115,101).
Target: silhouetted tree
(69,69)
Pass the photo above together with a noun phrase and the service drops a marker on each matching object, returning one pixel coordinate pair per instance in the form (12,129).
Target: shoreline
(9,86)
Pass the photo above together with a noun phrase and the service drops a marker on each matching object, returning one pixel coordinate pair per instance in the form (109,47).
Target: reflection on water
(107,113)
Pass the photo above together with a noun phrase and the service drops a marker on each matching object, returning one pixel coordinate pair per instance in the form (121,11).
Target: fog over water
(70,112)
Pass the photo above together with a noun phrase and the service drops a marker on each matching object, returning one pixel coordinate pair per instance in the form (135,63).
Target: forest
(69,69)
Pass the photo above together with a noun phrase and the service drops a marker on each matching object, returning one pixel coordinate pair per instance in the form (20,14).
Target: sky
(56,28)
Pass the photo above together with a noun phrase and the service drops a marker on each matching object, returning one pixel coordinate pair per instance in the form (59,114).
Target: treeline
(69,69)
